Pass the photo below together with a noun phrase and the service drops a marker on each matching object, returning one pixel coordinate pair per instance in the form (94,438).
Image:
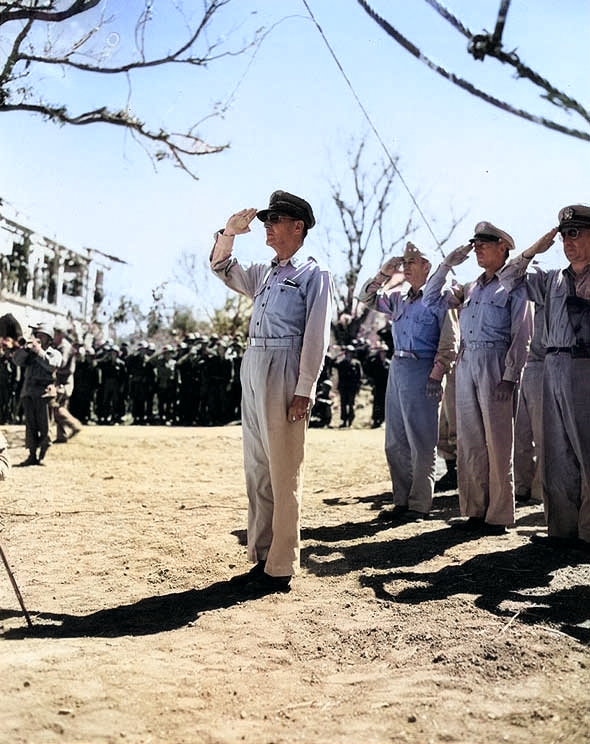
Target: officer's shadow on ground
(506,583)
(358,547)
(494,577)
(145,617)
(501,581)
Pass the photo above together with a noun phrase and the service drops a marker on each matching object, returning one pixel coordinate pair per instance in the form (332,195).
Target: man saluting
(288,339)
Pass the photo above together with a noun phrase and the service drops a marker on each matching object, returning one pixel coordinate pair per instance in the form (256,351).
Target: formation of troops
(193,383)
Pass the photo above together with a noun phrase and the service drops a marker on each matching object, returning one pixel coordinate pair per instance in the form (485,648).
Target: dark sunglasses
(274,218)
(484,239)
(571,232)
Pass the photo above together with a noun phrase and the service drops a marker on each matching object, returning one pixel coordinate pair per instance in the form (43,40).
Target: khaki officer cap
(487,231)
(577,215)
(412,253)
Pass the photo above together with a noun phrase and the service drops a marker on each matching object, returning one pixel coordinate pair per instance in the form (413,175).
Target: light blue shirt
(292,298)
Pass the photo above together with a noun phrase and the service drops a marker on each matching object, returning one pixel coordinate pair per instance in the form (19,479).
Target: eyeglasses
(273,218)
(476,242)
(571,232)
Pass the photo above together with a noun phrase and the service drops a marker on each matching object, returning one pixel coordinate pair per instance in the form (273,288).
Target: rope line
(448,16)
(374,129)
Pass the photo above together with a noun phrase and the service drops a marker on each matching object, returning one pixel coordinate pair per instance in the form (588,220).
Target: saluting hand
(543,244)
(239,223)
(459,255)
(391,266)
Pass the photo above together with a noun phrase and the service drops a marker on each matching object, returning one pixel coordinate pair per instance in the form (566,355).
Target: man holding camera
(40,361)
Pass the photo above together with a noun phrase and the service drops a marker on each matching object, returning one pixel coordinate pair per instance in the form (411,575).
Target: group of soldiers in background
(193,383)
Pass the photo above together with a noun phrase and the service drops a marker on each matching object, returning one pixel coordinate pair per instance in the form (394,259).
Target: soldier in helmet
(40,361)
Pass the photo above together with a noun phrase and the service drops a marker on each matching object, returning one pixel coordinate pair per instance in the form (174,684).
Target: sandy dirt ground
(122,545)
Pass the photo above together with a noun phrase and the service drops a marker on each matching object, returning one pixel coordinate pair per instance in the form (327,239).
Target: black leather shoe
(554,543)
(245,578)
(472,524)
(31,460)
(266,584)
(493,529)
(413,516)
(392,515)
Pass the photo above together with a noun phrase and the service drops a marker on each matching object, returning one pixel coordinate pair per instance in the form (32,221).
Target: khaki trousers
(485,432)
(274,451)
(447,424)
(566,446)
(528,432)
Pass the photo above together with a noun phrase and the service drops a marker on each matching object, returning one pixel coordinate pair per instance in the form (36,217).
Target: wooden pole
(16,589)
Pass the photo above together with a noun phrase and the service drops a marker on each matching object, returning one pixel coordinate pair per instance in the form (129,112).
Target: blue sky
(291,120)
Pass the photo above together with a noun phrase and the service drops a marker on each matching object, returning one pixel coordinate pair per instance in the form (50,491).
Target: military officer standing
(564,296)
(288,339)
(496,328)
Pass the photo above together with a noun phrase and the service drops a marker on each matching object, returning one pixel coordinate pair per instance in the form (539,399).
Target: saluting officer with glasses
(423,354)
(564,296)
(496,326)
(288,338)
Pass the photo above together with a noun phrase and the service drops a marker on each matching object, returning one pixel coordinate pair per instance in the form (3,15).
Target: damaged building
(44,281)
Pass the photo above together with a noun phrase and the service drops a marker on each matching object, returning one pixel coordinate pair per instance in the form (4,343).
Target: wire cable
(469,87)
(374,129)
(484,44)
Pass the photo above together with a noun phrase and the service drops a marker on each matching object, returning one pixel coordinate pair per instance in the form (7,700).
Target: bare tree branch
(176,146)
(28,12)
(364,203)
(362,216)
(143,63)
(20,87)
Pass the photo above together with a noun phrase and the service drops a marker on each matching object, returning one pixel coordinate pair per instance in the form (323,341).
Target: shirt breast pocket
(497,308)
(425,319)
(287,301)
(397,314)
